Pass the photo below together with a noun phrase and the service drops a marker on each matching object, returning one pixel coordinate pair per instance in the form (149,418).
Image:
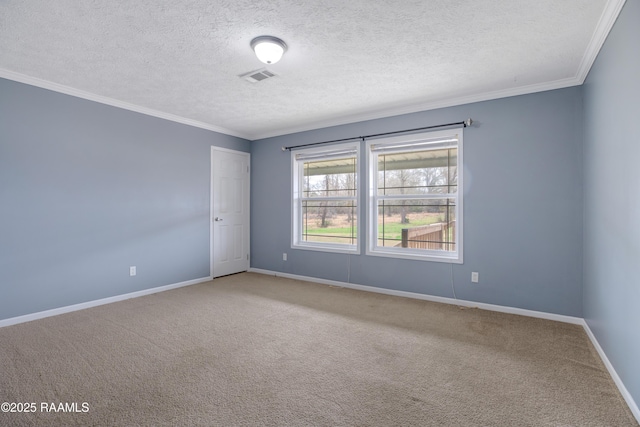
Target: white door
(229,211)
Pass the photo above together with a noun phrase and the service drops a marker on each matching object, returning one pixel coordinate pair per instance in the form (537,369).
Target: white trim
(603,28)
(502,309)
(211,248)
(67,90)
(230,150)
(420,107)
(348,149)
(89,304)
(432,298)
(340,120)
(491,307)
(621,387)
(607,20)
(415,254)
(320,247)
(605,24)
(248,202)
(377,147)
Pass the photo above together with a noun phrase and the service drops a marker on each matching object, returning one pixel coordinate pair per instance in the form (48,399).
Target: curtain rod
(465,123)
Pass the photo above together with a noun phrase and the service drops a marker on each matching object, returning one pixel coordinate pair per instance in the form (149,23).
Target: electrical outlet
(284,256)
(475,277)
(132,270)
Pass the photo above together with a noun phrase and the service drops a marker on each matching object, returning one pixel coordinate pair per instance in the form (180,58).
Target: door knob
(217,219)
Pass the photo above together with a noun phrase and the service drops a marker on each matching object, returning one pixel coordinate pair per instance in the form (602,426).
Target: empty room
(319,213)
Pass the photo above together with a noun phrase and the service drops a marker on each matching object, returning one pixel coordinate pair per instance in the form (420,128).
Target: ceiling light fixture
(268,49)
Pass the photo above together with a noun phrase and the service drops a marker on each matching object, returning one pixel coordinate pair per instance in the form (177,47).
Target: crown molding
(425,106)
(605,24)
(608,18)
(67,90)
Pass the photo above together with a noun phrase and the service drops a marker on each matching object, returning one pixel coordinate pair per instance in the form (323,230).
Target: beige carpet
(250,349)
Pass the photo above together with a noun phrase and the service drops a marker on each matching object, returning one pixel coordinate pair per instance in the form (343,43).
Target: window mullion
(418,196)
(328,199)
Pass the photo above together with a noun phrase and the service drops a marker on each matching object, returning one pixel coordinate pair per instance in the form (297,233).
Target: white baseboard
(503,309)
(623,390)
(444,300)
(95,303)
(492,307)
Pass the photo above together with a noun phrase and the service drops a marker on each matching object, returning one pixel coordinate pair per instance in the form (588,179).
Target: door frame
(248,201)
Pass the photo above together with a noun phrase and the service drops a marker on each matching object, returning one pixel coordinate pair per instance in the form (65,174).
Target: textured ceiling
(347,60)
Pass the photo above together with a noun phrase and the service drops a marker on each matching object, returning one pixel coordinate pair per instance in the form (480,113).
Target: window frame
(297,175)
(410,143)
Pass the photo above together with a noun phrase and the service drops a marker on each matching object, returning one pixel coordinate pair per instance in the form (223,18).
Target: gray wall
(86,190)
(612,202)
(522,207)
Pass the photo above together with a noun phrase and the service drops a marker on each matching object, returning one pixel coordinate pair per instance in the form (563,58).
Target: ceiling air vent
(257,76)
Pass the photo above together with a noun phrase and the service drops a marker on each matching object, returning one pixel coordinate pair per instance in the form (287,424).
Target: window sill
(346,249)
(413,255)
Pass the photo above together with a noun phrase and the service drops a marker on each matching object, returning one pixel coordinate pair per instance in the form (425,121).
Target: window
(325,198)
(414,199)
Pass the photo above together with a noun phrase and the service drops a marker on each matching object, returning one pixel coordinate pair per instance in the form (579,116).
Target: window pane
(417,224)
(418,172)
(330,178)
(330,221)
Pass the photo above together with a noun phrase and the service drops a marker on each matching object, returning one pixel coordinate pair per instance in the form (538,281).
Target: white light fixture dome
(268,49)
